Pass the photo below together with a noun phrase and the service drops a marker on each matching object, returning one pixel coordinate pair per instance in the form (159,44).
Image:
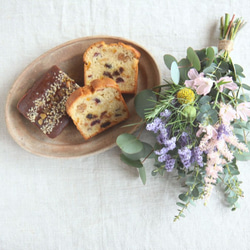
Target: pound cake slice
(117,61)
(97,107)
(44,103)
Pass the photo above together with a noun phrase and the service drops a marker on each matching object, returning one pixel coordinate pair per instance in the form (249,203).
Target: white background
(97,202)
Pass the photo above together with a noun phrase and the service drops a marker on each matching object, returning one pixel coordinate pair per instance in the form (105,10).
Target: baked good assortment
(97,107)
(44,103)
(55,99)
(117,61)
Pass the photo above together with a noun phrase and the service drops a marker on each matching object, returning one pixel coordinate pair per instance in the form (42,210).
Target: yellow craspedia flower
(185,96)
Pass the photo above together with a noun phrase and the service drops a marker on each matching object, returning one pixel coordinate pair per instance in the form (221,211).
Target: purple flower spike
(184,139)
(223,130)
(154,125)
(170,162)
(185,156)
(197,156)
(166,113)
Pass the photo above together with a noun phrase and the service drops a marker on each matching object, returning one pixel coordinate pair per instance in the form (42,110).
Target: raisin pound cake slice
(97,107)
(117,61)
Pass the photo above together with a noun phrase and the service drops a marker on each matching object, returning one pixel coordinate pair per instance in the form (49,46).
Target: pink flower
(203,85)
(243,110)
(227,83)
(197,81)
(209,130)
(193,75)
(227,113)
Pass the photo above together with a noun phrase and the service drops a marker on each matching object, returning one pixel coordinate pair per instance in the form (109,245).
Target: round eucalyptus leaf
(213,117)
(210,56)
(232,200)
(147,151)
(132,163)
(208,70)
(168,60)
(193,58)
(144,102)
(184,67)
(224,67)
(175,73)
(204,99)
(190,181)
(238,68)
(183,197)
(201,54)
(129,143)
(195,192)
(205,108)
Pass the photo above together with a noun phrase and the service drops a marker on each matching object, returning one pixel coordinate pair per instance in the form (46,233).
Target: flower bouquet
(200,122)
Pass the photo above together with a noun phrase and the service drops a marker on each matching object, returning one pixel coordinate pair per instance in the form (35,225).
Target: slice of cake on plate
(97,107)
(44,103)
(117,61)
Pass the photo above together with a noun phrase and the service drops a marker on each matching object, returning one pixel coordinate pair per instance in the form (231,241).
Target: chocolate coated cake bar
(44,103)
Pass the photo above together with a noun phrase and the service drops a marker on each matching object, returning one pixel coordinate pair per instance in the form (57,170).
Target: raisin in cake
(97,107)
(44,103)
(117,61)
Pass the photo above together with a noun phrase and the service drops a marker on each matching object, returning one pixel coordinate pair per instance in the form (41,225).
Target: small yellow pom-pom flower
(185,96)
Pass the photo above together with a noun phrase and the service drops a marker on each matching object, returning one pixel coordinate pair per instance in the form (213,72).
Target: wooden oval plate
(70,143)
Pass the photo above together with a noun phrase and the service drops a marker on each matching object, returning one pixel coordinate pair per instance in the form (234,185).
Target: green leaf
(245,98)
(132,163)
(183,197)
(213,117)
(232,200)
(209,70)
(129,143)
(224,66)
(142,174)
(190,181)
(180,204)
(238,68)
(210,55)
(181,173)
(154,172)
(201,54)
(215,49)
(243,156)
(168,60)
(195,192)
(205,108)
(175,73)
(144,102)
(204,100)
(184,67)
(147,151)
(245,86)
(193,58)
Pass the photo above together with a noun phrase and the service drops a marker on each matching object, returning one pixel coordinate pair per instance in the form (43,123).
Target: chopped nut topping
(50,107)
